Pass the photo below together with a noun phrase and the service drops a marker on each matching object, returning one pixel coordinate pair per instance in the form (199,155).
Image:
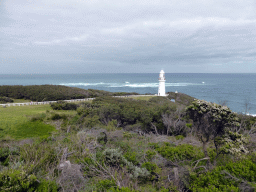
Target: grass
(32,129)
(14,121)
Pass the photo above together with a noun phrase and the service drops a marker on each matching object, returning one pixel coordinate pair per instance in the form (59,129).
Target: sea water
(236,90)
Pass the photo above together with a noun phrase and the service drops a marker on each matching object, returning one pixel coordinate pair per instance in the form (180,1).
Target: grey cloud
(95,34)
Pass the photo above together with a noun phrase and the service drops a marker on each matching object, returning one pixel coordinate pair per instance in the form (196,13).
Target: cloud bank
(75,36)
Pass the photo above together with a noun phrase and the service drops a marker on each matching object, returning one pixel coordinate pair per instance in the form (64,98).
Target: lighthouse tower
(161,87)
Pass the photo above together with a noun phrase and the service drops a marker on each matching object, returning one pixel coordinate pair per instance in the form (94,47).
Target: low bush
(114,157)
(104,185)
(153,169)
(122,189)
(20,181)
(232,177)
(4,154)
(56,116)
(178,153)
(62,105)
(39,156)
(5,100)
(38,117)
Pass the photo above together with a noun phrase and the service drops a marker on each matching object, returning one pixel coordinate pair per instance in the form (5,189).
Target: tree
(211,120)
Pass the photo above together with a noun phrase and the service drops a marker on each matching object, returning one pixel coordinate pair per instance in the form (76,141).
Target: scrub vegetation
(50,93)
(127,145)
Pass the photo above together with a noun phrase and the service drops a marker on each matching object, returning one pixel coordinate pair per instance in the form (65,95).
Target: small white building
(161,87)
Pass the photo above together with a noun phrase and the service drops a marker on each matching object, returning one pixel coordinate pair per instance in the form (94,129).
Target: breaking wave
(83,84)
(132,85)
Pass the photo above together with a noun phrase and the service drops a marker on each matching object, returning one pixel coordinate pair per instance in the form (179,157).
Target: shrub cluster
(125,112)
(62,105)
(5,100)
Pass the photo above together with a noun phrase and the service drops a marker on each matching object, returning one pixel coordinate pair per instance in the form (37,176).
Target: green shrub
(91,121)
(17,180)
(56,116)
(48,186)
(38,117)
(122,189)
(150,154)
(178,153)
(128,135)
(189,125)
(40,156)
(132,156)
(114,157)
(104,185)
(225,178)
(62,105)
(20,181)
(152,168)
(5,100)
(4,154)
(179,137)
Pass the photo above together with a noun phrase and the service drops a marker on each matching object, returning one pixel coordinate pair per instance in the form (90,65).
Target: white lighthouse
(161,87)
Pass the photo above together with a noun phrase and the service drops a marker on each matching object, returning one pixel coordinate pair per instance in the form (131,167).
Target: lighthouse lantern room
(161,87)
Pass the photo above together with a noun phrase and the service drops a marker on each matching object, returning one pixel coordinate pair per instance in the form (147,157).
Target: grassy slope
(14,121)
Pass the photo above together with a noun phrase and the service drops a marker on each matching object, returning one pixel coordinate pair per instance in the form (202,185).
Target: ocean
(234,89)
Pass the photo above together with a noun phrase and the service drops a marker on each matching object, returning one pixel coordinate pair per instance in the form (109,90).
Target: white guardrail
(49,102)
(43,102)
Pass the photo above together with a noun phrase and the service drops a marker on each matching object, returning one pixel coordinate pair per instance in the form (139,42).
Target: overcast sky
(120,36)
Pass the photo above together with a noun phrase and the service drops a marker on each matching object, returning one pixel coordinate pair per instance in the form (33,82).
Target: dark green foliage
(132,157)
(91,121)
(226,178)
(181,98)
(48,186)
(17,180)
(122,189)
(104,185)
(20,181)
(5,100)
(56,116)
(38,158)
(179,137)
(211,120)
(129,112)
(150,154)
(4,154)
(153,169)
(62,105)
(178,153)
(51,92)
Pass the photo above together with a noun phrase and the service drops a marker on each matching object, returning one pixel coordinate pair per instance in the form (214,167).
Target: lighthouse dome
(161,75)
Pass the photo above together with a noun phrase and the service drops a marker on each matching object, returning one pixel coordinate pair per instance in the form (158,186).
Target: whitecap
(128,84)
(82,84)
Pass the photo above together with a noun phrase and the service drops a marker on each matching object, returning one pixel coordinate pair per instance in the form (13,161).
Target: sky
(127,36)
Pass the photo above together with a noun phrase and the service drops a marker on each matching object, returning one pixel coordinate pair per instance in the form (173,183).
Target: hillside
(50,92)
(127,145)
